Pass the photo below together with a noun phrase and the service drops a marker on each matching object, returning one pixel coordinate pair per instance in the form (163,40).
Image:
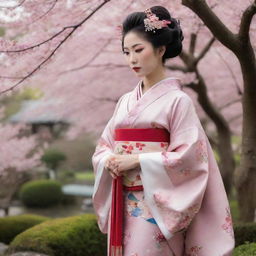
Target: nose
(132,58)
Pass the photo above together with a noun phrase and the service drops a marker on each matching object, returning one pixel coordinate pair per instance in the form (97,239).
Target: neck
(153,78)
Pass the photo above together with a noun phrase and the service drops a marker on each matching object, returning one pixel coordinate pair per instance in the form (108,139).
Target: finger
(116,171)
(112,174)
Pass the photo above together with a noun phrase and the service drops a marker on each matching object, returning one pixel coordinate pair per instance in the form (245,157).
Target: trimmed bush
(41,193)
(52,158)
(245,232)
(72,236)
(245,250)
(11,226)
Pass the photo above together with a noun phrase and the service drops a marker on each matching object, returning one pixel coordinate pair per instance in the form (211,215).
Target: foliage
(87,175)
(41,193)
(66,176)
(52,158)
(11,226)
(245,232)
(72,236)
(248,249)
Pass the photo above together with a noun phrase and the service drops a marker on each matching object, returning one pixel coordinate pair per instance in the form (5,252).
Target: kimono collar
(173,84)
(137,101)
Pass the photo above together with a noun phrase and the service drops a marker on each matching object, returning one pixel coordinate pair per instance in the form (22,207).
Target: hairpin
(152,22)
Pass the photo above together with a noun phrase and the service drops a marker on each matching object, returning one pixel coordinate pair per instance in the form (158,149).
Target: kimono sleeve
(175,180)
(101,197)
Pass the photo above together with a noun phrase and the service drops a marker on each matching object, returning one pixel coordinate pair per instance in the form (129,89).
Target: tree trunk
(240,45)
(224,145)
(245,175)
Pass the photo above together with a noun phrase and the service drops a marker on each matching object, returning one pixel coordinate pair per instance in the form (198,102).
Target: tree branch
(73,29)
(229,104)
(239,92)
(13,7)
(244,28)
(205,50)
(177,67)
(216,26)
(192,44)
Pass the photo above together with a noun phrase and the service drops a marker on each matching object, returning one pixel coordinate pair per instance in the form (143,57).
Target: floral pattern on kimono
(127,237)
(137,208)
(180,171)
(132,178)
(135,147)
(159,237)
(201,151)
(193,251)
(228,225)
(172,217)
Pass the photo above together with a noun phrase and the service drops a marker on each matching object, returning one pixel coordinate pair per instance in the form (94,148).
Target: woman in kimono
(158,190)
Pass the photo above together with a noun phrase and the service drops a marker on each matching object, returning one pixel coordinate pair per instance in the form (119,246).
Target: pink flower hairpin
(152,22)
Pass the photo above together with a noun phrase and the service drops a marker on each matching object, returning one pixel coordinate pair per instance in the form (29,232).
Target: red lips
(136,69)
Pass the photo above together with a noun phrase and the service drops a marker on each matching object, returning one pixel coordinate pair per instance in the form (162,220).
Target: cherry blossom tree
(75,44)
(18,155)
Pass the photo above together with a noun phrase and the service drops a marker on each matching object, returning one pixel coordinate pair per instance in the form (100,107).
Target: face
(140,53)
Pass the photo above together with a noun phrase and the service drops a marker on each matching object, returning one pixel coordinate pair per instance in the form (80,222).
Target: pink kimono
(183,208)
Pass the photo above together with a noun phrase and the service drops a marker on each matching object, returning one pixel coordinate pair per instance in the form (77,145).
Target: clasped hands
(117,165)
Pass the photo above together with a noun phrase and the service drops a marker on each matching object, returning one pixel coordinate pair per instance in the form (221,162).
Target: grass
(88,176)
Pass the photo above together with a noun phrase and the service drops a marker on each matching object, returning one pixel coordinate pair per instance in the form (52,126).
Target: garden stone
(3,248)
(28,254)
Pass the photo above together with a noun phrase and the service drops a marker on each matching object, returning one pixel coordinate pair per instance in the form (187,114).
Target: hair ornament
(152,22)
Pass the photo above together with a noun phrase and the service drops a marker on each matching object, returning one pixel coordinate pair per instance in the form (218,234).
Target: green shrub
(41,193)
(72,236)
(66,176)
(248,249)
(245,232)
(11,226)
(52,158)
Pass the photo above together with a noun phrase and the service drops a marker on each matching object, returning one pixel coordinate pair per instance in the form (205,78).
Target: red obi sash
(116,225)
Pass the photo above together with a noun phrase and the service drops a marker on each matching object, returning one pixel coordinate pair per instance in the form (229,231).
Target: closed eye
(138,50)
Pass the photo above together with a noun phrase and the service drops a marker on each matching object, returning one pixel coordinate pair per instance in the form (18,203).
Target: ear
(161,50)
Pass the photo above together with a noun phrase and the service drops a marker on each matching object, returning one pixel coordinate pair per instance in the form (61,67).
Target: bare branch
(108,65)
(47,12)
(106,99)
(13,7)
(239,92)
(205,50)
(218,29)
(177,67)
(192,44)
(244,29)
(235,118)
(36,45)
(229,104)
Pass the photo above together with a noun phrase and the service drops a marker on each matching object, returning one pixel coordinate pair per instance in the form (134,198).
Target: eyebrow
(132,46)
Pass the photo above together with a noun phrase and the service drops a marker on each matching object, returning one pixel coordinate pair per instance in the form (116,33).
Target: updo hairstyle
(170,36)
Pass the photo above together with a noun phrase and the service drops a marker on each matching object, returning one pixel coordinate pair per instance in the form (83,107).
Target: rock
(27,254)
(3,248)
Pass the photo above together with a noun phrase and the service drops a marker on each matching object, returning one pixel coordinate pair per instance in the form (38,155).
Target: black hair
(170,36)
